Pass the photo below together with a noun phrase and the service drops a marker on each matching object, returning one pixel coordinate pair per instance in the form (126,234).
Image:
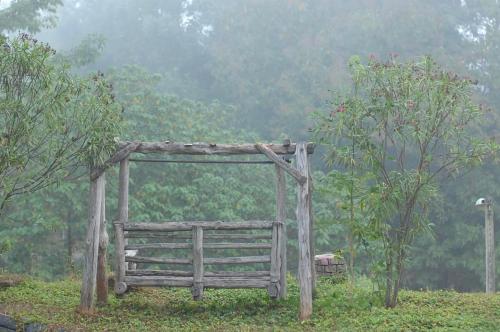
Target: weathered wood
(102,279)
(119,230)
(239,260)
(208,282)
(489,234)
(281,217)
(92,245)
(158,260)
(237,245)
(202,161)
(188,225)
(197,289)
(124,149)
(235,282)
(246,274)
(170,236)
(238,236)
(282,256)
(281,163)
(158,246)
(166,273)
(156,281)
(123,152)
(174,273)
(303,220)
(311,226)
(206,149)
(273,288)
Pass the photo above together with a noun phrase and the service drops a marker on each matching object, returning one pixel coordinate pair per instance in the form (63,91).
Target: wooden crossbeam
(206,148)
(266,149)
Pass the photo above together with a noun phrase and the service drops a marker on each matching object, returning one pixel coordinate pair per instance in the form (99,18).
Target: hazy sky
(4,4)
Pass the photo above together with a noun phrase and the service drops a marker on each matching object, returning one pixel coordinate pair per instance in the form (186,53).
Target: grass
(337,307)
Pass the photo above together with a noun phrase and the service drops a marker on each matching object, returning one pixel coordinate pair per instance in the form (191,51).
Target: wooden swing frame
(94,278)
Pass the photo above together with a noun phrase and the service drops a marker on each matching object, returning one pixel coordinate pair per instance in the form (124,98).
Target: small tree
(51,123)
(406,125)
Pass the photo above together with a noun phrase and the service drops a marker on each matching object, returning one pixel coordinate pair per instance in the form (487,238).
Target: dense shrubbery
(337,307)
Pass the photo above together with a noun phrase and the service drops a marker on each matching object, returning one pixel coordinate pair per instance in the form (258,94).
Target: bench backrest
(195,245)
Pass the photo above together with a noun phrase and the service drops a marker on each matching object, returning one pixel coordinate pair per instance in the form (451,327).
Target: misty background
(246,71)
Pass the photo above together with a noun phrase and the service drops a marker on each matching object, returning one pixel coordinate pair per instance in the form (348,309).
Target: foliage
(275,62)
(27,15)
(403,125)
(158,192)
(337,307)
(45,231)
(52,123)
(85,53)
(347,194)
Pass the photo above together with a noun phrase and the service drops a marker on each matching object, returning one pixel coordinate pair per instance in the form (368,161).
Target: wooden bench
(166,240)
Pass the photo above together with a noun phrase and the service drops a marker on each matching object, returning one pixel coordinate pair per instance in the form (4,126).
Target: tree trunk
(397,282)
(388,279)
(350,241)
(69,243)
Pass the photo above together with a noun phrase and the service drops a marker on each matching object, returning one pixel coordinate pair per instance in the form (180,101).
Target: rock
(7,323)
(10,280)
(329,264)
(35,327)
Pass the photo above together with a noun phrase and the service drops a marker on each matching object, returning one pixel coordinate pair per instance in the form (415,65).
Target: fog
(256,70)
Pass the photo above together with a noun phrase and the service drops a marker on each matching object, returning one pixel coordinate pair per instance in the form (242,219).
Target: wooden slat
(176,273)
(238,260)
(162,235)
(158,246)
(188,225)
(166,273)
(237,245)
(238,236)
(235,282)
(207,282)
(169,236)
(153,281)
(245,274)
(138,259)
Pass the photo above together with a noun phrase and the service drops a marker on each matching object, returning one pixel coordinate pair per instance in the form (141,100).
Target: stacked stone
(329,265)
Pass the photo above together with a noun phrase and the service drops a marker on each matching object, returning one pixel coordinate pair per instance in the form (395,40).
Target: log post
(92,245)
(102,280)
(274,287)
(303,220)
(281,216)
(197,289)
(311,226)
(489,235)
(120,286)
